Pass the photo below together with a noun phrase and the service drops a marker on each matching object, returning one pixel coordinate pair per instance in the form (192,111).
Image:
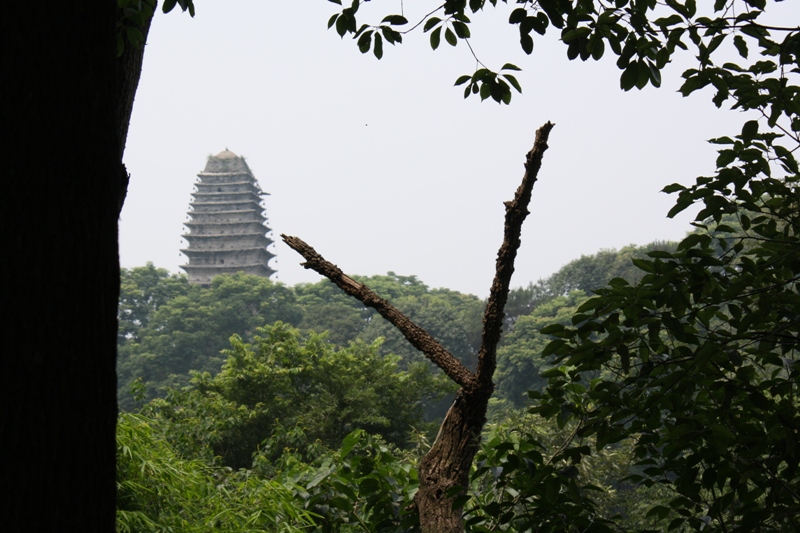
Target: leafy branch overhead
(643,36)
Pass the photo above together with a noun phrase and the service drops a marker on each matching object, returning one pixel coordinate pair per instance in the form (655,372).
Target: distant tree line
(169,328)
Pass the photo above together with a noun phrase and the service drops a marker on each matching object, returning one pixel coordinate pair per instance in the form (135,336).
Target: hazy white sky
(382,165)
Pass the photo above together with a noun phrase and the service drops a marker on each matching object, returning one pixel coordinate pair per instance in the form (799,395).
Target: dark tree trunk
(446,466)
(61,161)
(444,471)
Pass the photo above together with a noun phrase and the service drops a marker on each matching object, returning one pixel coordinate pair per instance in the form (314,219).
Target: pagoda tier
(228,232)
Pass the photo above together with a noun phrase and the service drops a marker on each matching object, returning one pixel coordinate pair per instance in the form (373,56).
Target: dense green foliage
(283,381)
(644,35)
(554,300)
(585,274)
(168,327)
(274,412)
(158,490)
(702,359)
(454,319)
(519,361)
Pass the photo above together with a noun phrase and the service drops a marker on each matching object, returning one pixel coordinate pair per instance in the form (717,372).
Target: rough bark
(62,193)
(444,471)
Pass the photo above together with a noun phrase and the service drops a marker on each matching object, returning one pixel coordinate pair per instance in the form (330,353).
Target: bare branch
(516,211)
(417,336)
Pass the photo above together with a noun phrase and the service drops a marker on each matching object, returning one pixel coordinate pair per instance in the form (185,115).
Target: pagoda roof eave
(188,251)
(225,212)
(234,173)
(233,268)
(202,236)
(192,223)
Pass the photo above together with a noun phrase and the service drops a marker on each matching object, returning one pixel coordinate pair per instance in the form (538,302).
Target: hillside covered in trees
(169,328)
(302,397)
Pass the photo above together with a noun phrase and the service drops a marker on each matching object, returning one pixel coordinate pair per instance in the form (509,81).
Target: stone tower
(227,231)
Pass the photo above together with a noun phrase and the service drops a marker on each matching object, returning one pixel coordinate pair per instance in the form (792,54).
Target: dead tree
(444,471)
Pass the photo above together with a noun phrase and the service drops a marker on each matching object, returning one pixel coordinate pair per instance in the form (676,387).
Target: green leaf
(629,77)
(436,37)
(655,74)
(553,347)
(675,187)
(659,254)
(659,511)
(317,479)
(553,329)
(168,5)
(341,25)
(553,373)
(526,42)
(749,130)
(350,441)
(463,79)
(461,29)
(365,41)
(517,16)
(450,37)
(509,66)
(741,45)
(485,91)
(430,23)
(643,70)
(725,158)
(513,81)
(395,20)
(598,48)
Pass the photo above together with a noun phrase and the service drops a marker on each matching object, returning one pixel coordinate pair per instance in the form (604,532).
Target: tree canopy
(168,327)
(284,380)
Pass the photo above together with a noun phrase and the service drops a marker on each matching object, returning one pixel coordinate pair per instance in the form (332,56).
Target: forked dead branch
(445,468)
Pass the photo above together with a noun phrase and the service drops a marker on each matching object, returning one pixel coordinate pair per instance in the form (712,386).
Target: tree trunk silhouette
(444,471)
(65,113)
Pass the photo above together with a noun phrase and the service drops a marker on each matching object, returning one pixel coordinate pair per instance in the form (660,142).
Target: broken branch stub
(418,337)
(516,212)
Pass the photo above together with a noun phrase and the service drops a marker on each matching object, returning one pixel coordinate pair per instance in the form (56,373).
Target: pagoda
(228,231)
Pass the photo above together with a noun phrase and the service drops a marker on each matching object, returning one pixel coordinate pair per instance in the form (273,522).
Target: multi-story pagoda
(227,231)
